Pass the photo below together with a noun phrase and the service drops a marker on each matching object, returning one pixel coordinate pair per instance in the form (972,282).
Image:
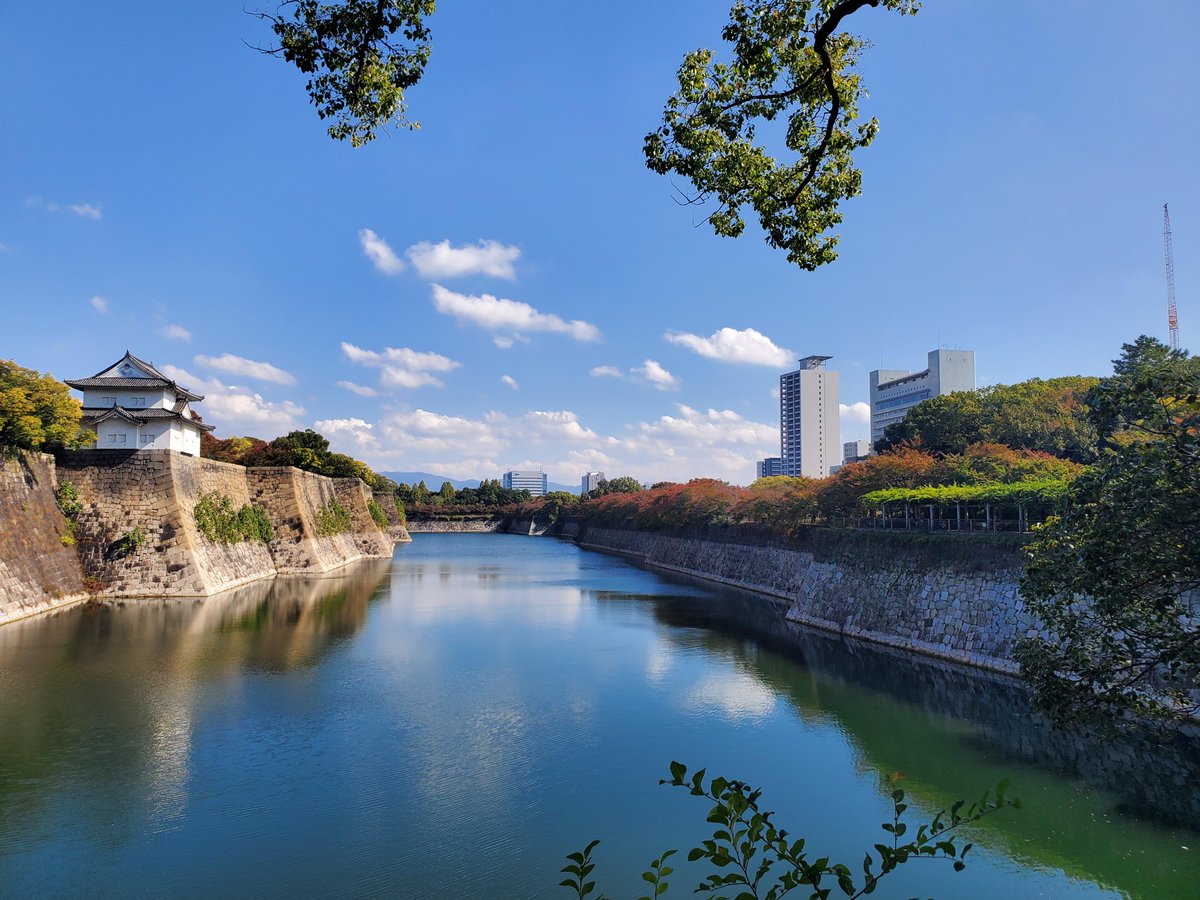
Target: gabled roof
(153,379)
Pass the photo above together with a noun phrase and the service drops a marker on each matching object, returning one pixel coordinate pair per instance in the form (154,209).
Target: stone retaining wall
(957,600)
(439,526)
(396,526)
(38,572)
(156,491)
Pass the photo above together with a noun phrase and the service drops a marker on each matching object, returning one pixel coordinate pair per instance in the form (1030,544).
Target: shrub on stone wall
(377,513)
(69,505)
(220,522)
(127,544)
(332,519)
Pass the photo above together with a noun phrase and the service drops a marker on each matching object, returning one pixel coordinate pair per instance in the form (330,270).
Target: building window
(137,401)
(145,439)
(108,401)
(114,438)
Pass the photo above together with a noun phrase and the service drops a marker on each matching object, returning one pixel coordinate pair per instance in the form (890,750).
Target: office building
(525,480)
(809,426)
(590,482)
(894,392)
(769,467)
(855,451)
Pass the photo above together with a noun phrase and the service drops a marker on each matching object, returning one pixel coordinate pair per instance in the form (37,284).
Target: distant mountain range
(433,482)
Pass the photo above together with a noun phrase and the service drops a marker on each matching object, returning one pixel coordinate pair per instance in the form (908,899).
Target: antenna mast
(1172,312)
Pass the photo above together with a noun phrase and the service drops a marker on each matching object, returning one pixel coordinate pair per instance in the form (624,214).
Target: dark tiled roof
(94,414)
(147,383)
(156,380)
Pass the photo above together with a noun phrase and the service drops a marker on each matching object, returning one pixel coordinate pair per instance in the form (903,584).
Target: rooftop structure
(130,405)
(894,391)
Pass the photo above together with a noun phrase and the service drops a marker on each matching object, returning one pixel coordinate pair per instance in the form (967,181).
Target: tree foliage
(1116,579)
(622,484)
(791,70)
(754,859)
(37,412)
(783,504)
(788,62)
(307,449)
(1050,416)
(489,495)
(360,55)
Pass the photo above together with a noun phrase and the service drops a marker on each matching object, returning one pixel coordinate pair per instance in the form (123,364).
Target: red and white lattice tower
(1172,312)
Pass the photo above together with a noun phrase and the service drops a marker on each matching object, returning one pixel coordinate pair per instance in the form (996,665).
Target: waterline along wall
(945,597)
(38,570)
(154,493)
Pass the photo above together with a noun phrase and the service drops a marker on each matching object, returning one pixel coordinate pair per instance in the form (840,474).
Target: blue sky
(167,190)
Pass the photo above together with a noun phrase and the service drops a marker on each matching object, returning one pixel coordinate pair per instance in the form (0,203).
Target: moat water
(453,722)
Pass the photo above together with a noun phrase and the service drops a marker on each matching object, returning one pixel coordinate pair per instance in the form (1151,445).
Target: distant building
(769,467)
(130,405)
(525,480)
(809,423)
(854,451)
(590,482)
(894,392)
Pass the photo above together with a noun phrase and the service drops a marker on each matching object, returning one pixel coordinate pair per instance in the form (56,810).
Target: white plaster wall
(116,435)
(191,441)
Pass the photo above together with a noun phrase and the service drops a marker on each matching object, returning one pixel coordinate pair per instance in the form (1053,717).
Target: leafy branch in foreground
(758,860)
(789,60)
(360,56)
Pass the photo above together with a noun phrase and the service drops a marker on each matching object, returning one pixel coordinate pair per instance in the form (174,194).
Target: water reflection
(111,692)
(513,697)
(955,731)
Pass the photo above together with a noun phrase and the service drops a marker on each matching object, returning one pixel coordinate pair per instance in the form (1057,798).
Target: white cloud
(730,345)
(510,381)
(855,420)
(354,430)
(443,260)
(176,333)
(504,343)
(247,368)
(99,304)
(401,367)
(685,444)
(83,210)
(859,413)
(538,426)
(361,390)
(511,316)
(382,256)
(238,410)
(650,371)
(714,443)
(4,248)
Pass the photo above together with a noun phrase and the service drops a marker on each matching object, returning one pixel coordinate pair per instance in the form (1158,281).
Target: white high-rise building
(590,482)
(894,392)
(809,426)
(525,480)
